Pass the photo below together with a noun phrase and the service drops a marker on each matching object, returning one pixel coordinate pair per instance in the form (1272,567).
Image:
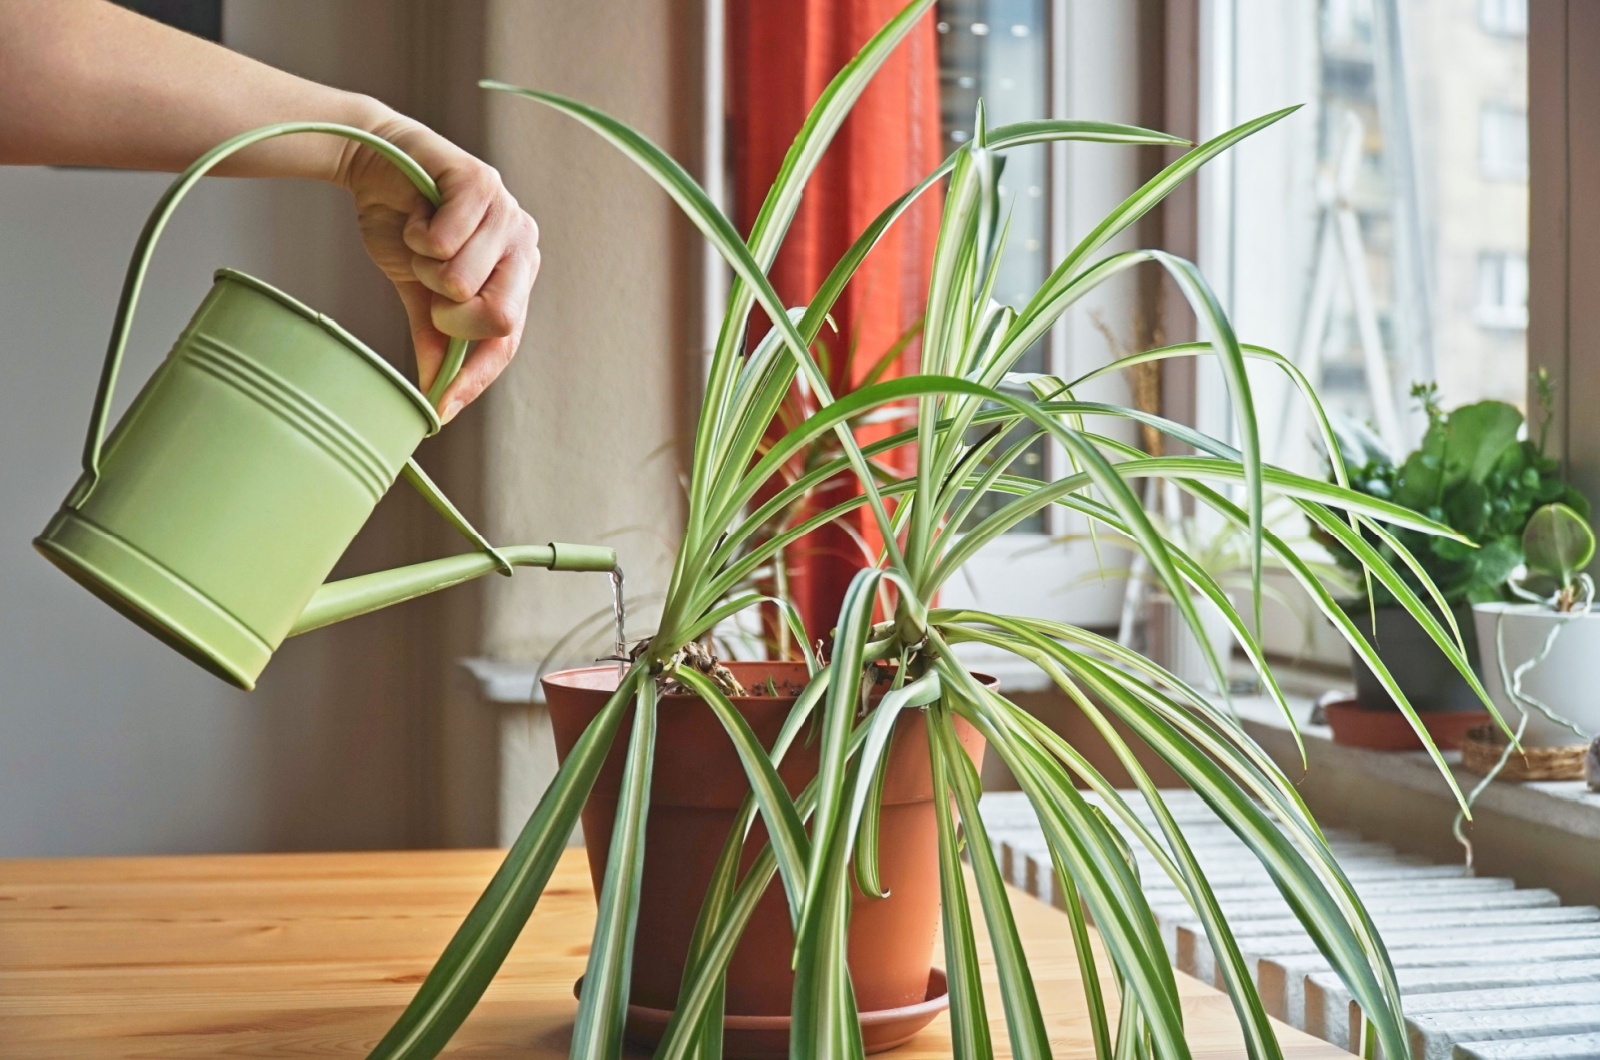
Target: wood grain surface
(313,955)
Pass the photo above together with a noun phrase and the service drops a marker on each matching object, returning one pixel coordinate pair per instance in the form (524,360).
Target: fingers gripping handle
(133,282)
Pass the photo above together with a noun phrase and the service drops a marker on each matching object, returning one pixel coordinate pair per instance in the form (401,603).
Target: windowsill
(1568,806)
(514,682)
(505,682)
(1565,805)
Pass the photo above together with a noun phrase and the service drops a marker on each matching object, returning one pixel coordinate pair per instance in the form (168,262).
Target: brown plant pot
(696,790)
(1387,729)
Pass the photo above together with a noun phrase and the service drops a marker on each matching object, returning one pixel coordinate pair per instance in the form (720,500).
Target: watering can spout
(337,601)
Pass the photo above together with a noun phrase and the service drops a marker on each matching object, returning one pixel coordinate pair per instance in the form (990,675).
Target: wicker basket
(1482,747)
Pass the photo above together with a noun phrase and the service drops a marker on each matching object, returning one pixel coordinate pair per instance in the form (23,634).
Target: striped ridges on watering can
(215,509)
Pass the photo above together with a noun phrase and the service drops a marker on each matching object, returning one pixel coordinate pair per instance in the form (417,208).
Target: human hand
(463,270)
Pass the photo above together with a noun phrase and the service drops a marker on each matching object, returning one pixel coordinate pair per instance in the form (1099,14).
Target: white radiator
(1487,970)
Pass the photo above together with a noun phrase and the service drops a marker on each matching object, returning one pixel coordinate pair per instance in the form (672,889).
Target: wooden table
(313,955)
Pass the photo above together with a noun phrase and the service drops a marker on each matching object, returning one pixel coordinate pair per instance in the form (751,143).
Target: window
(1502,291)
(1503,142)
(1378,237)
(998,51)
(1506,17)
(1028,59)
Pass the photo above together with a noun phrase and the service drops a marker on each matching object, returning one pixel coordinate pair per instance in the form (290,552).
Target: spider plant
(824,842)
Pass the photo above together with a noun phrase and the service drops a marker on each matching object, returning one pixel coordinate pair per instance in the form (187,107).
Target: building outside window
(1378,236)
(1028,59)
(1414,128)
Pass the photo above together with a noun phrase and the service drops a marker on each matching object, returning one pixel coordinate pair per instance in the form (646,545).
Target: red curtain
(781,55)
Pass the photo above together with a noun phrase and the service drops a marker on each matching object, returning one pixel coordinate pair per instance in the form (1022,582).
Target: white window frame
(1564,155)
(1005,575)
(714,272)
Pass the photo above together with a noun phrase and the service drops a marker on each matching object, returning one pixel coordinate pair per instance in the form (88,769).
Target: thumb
(428,341)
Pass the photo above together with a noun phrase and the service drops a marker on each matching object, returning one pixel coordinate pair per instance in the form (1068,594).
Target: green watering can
(241,472)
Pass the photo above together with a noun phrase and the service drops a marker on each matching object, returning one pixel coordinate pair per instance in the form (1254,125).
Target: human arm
(88,83)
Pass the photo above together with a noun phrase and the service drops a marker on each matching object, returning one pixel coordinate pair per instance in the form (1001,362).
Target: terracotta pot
(696,790)
(1386,729)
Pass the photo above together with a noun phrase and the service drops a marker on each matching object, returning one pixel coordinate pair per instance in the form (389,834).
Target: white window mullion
(1059,352)
(714,172)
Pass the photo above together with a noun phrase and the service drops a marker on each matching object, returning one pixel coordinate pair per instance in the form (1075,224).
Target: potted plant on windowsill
(1539,652)
(1474,473)
(889,704)
(1538,656)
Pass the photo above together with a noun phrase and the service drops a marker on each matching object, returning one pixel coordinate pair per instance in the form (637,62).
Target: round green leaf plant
(1558,544)
(1473,473)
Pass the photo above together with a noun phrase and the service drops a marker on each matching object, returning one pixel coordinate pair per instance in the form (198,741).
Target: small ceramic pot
(1565,679)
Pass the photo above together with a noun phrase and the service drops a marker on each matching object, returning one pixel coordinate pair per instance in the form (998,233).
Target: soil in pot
(696,790)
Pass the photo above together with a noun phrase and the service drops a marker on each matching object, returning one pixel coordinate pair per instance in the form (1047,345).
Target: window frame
(1564,229)
(1564,152)
(1006,575)
(1563,106)
(1106,62)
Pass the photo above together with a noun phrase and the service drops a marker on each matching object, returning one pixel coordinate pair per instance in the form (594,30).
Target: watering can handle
(134,281)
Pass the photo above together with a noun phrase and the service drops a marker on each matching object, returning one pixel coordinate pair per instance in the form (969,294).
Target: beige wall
(365,734)
(109,742)
(587,429)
